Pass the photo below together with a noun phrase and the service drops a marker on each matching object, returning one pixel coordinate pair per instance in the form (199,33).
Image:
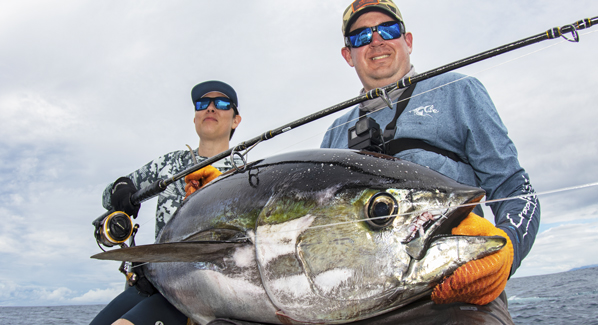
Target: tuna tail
(190,251)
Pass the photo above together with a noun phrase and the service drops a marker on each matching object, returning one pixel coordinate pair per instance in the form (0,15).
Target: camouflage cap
(359,7)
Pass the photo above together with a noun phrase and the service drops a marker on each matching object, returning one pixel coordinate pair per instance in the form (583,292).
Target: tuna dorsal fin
(188,251)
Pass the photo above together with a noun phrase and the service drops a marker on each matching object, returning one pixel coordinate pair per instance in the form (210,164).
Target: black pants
(426,312)
(140,309)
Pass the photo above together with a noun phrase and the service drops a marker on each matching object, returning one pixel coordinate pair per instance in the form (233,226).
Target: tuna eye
(379,210)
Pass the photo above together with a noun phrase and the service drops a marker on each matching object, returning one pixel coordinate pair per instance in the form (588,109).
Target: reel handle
(98,221)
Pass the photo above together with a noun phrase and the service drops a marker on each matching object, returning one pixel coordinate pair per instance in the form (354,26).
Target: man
(216,118)
(449,125)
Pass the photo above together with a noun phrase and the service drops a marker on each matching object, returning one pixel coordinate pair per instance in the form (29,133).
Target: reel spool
(115,229)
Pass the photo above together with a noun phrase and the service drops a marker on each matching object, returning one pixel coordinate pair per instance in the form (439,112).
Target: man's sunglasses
(221,103)
(363,36)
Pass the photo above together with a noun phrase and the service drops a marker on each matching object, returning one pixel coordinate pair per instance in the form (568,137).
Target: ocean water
(51,315)
(560,298)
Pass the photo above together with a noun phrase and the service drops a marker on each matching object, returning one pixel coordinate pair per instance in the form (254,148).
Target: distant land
(583,267)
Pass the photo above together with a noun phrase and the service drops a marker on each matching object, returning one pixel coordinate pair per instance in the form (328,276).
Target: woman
(216,118)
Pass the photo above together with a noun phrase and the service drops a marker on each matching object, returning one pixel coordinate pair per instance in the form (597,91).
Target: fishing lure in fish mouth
(423,222)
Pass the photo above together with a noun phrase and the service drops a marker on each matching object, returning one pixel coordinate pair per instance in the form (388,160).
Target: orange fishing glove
(479,281)
(200,178)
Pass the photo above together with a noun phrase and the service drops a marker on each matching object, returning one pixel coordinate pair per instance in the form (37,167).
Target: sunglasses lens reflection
(221,103)
(388,31)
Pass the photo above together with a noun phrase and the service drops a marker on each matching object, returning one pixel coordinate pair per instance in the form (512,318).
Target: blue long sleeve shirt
(455,113)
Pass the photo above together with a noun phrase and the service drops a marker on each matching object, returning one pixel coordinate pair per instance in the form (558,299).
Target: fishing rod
(113,228)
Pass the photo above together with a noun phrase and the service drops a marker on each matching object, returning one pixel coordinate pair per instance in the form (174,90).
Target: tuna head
(361,236)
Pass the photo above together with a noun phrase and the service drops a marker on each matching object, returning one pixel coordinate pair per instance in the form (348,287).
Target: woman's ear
(236,121)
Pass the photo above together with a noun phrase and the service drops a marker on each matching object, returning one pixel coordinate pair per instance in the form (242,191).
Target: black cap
(214,85)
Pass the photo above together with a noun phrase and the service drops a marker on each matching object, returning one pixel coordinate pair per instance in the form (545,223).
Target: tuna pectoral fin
(446,254)
(195,251)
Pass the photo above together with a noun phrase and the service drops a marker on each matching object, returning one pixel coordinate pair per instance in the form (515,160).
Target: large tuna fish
(319,236)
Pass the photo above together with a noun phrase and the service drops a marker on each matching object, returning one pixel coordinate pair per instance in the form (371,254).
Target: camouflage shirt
(165,167)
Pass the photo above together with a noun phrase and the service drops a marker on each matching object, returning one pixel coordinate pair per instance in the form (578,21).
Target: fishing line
(160,185)
(433,208)
(425,92)
(138,265)
(440,208)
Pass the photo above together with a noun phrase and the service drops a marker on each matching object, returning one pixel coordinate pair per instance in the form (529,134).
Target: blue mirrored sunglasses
(363,36)
(222,103)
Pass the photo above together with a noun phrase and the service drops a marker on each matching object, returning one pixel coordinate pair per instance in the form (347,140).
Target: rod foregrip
(147,192)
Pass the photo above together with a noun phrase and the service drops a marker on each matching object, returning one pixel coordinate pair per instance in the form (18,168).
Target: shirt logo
(424,111)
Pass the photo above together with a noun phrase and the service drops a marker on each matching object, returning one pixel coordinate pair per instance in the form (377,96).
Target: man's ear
(409,40)
(346,52)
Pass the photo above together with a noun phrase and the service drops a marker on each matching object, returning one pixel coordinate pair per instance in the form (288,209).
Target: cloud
(569,208)
(33,118)
(562,248)
(90,91)
(13,294)
(99,295)
(10,233)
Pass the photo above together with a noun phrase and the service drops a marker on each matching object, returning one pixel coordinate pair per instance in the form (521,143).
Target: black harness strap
(393,147)
(391,128)
(397,145)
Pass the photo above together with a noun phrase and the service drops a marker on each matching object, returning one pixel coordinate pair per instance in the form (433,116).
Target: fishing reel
(114,228)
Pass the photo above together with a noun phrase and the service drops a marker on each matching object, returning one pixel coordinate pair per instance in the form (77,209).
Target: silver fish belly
(316,236)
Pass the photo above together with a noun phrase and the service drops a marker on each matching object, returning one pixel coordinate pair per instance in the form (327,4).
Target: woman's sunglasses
(363,36)
(221,103)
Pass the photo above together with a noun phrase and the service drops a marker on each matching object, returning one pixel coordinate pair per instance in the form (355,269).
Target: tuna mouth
(433,224)
(423,223)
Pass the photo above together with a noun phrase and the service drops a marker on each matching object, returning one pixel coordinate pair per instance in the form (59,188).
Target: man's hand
(479,281)
(200,178)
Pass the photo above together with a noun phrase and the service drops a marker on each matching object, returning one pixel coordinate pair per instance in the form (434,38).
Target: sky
(92,90)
